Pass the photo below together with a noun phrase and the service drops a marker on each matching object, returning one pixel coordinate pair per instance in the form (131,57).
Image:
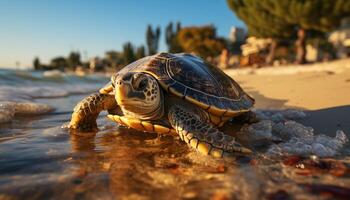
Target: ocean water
(40,160)
(20,89)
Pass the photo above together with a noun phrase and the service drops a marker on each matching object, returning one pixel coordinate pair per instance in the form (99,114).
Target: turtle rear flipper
(202,136)
(87,110)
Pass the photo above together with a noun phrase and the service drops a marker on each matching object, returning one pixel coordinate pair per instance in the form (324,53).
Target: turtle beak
(121,93)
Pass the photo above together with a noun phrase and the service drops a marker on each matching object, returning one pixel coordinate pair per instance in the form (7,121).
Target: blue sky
(49,28)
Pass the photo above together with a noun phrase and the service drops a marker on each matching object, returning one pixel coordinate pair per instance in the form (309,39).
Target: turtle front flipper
(146,126)
(87,110)
(201,135)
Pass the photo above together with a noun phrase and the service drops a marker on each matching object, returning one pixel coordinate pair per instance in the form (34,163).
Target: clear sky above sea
(49,28)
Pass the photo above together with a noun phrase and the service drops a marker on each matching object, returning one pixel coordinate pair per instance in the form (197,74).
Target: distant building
(237,34)
(95,64)
(255,45)
(340,38)
(254,51)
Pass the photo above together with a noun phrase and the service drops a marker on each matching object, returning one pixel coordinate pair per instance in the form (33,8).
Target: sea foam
(292,137)
(20,89)
(21,100)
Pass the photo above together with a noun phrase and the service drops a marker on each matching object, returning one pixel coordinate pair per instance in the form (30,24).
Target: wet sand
(322,89)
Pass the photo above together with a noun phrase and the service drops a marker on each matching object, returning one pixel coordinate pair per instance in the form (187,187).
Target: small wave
(27,93)
(19,89)
(21,100)
(53,73)
(13,77)
(8,110)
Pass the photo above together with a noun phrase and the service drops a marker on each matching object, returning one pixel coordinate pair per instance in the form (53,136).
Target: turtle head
(139,95)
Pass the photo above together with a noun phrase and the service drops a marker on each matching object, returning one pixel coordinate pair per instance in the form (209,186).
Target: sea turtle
(171,93)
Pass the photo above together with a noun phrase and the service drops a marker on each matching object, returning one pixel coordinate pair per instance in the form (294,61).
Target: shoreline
(321,89)
(310,87)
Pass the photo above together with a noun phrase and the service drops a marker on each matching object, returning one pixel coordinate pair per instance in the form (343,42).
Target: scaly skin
(201,135)
(87,110)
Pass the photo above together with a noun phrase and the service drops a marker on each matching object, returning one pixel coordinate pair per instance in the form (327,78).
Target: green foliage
(128,53)
(259,20)
(287,18)
(320,15)
(201,41)
(59,63)
(73,60)
(281,19)
(171,37)
(152,39)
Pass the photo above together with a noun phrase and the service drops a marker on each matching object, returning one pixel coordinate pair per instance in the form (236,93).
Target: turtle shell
(196,81)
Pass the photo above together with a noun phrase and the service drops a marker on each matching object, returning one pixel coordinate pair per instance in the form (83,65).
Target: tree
(140,52)
(308,16)
(261,23)
(59,63)
(280,19)
(152,39)
(73,60)
(114,58)
(36,64)
(171,37)
(200,40)
(128,53)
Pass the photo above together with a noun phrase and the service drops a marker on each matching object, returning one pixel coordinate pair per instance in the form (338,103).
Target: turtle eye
(140,82)
(143,84)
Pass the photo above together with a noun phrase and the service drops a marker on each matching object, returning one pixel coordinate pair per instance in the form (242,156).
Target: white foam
(278,116)
(296,138)
(20,89)
(9,109)
(12,93)
(319,145)
(16,100)
(256,132)
(6,112)
(53,73)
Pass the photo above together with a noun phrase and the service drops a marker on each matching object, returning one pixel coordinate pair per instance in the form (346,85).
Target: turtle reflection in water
(171,94)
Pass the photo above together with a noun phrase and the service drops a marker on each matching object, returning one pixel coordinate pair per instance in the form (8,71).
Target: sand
(322,89)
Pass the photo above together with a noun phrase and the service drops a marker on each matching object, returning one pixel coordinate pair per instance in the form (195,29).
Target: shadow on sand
(324,121)
(329,120)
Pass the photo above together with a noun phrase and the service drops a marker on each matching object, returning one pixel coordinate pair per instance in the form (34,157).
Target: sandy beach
(323,89)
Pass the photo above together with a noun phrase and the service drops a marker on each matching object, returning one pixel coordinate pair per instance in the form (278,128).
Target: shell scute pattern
(196,81)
